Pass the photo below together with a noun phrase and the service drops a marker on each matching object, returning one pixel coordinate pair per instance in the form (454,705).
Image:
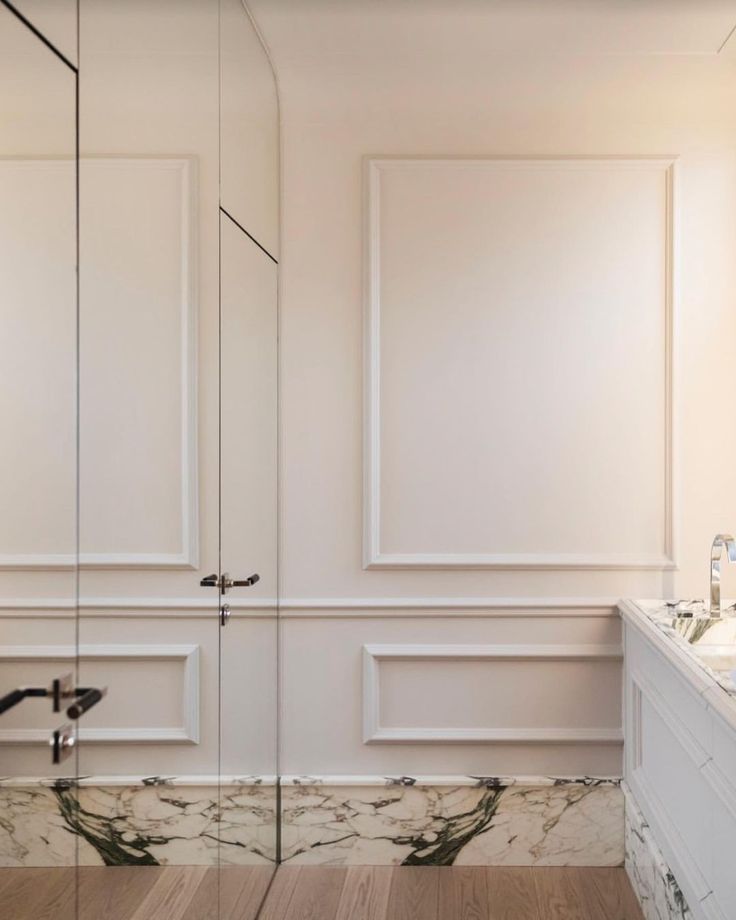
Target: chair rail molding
(374,556)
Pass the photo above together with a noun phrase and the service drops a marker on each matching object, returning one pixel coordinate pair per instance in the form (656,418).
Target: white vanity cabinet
(680,763)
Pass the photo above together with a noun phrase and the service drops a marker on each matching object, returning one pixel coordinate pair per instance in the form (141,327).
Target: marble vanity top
(707,641)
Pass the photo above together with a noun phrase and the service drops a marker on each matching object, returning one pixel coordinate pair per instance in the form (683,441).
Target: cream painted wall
(590,106)
(339,108)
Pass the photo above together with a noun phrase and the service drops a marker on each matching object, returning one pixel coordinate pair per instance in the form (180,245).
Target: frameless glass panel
(248,464)
(149,455)
(38,472)
(249,128)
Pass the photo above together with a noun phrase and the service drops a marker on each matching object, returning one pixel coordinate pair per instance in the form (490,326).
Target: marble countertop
(705,643)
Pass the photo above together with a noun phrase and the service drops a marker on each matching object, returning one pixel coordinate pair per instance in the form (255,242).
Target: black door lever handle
(87,699)
(250,580)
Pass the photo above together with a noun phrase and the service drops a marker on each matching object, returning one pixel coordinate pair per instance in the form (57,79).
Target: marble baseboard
(442,821)
(156,821)
(329,820)
(651,878)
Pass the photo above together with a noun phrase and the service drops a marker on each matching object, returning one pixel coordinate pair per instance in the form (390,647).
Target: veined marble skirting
(651,878)
(156,821)
(327,820)
(442,821)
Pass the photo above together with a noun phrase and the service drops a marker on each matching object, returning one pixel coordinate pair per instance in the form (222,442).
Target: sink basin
(718,658)
(712,639)
(703,630)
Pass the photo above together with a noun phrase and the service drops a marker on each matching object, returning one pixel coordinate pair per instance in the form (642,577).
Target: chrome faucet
(716,551)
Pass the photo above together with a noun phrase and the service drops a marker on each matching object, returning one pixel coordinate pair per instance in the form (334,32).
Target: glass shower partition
(178,460)
(38,460)
(249,215)
(148,823)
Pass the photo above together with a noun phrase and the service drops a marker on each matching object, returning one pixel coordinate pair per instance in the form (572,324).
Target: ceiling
(364,33)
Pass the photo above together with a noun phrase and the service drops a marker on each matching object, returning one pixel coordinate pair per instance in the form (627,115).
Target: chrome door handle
(225,582)
(228,582)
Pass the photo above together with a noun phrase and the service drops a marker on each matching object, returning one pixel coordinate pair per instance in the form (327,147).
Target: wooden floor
(316,893)
(133,893)
(452,893)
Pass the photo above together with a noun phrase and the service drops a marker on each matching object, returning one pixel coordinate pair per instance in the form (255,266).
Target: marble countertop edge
(642,614)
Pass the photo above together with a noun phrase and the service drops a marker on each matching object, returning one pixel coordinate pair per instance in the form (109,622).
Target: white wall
(339,108)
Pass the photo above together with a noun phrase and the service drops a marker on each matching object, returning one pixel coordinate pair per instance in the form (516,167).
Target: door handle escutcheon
(62,742)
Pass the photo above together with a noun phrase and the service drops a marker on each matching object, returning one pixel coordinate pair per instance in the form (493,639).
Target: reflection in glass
(38,466)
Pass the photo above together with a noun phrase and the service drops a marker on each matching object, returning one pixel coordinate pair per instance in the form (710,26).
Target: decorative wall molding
(187,557)
(373,732)
(644,689)
(373,556)
(316,608)
(187,733)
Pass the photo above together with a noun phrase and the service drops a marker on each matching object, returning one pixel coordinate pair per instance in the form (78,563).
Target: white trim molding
(312,607)
(187,733)
(373,732)
(187,557)
(373,556)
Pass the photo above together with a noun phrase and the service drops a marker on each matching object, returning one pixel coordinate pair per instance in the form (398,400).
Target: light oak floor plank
(115,892)
(414,893)
(283,887)
(365,893)
(607,894)
(463,893)
(558,894)
(171,894)
(317,894)
(242,891)
(511,893)
(40,894)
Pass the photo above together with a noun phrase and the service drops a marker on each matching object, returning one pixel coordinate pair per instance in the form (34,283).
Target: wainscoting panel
(535,693)
(160,716)
(495,357)
(153,692)
(138,412)
(450,693)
